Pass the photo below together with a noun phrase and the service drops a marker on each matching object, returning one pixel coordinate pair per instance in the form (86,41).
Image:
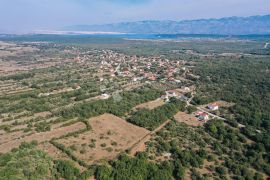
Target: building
(171,93)
(105,96)
(202,116)
(213,107)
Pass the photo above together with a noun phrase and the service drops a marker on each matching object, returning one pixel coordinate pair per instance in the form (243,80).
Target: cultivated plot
(109,136)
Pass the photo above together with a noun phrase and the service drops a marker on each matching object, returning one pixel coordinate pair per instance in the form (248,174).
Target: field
(150,105)
(110,135)
(188,119)
(39,137)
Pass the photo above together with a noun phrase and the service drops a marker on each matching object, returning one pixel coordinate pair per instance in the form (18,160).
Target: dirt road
(139,146)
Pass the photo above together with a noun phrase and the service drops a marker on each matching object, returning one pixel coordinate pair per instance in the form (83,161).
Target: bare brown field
(40,137)
(189,119)
(13,67)
(109,136)
(150,105)
(50,149)
(11,49)
(224,103)
(43,114)
(8,137)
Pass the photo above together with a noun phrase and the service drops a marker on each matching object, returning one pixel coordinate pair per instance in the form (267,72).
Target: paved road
(210,114)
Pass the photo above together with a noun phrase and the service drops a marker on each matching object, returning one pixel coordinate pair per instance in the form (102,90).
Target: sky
(28,15)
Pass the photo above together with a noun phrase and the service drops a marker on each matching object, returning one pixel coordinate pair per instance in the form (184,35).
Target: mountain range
(224,26)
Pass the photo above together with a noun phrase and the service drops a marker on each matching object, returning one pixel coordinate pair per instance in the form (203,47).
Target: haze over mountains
(225,26)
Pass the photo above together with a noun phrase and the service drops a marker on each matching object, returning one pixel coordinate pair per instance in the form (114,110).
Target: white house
(202,116)
(105,96)
(213,107)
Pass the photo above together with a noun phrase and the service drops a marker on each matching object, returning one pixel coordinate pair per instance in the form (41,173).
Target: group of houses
(177,93)
(137,68)
(204,116)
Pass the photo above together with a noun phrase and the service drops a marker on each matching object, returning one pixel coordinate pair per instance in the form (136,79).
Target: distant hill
(225,26)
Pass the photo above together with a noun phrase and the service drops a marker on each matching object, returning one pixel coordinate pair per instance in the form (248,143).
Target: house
(202,116)
(171,93)
(167,155)
(105,96)
(77,87)
(126,72)
(134,79)
(186,89)
(213,107)
(165,98)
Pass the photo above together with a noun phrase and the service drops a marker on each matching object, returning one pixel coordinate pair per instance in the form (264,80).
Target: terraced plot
(41,137)
(109,136)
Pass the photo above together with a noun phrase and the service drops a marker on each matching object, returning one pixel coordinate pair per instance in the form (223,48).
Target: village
(136,71)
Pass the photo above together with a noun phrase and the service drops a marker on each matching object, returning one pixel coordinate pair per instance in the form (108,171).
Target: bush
(67,169)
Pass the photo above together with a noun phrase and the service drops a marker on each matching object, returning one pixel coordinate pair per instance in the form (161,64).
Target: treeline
(141,168)
(138,168)
(117,105)
(151,119)
(17,77)
(68,151)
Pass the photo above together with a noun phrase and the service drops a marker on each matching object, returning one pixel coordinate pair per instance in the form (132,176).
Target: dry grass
(150,105)
(189,119)
(40,137)
(109,136)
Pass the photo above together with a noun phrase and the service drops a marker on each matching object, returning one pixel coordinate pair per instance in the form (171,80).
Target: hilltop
(225,26)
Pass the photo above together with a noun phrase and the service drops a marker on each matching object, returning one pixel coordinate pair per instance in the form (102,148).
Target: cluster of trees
(138,168)
(67,169)
(27,101)
(151,119)
(189,147)
(245,82)
(26,162)
(126,101)
(17,77)
(226,135)
(241,155)
(43,126)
